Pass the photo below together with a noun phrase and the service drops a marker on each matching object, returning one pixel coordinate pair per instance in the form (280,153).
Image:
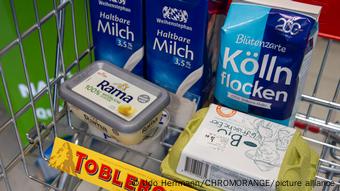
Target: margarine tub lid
(118,98)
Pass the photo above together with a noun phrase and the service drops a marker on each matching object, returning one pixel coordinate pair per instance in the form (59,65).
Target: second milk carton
(175,51)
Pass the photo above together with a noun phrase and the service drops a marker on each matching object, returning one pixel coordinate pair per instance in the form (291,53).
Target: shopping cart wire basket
(43,49)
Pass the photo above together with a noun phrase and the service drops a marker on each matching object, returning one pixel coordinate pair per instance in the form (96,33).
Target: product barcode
(196,167)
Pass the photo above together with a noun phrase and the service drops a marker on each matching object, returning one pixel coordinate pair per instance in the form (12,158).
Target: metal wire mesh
(329,166)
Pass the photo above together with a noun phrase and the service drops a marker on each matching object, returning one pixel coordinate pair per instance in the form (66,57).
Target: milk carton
(175,51)
(118,36)
(265,55)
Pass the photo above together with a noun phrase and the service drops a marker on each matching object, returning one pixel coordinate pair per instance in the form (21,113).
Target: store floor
(18,181)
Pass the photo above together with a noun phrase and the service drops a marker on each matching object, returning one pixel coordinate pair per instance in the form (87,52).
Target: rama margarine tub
(151,143)
(123,105)
(229,150)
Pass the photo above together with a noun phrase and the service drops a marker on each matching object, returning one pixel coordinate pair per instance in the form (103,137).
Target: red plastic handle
(311,128)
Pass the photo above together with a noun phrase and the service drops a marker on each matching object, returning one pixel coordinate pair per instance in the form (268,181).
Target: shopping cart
(322,132)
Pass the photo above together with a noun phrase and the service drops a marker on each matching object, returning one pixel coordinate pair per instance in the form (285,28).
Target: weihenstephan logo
(175,14)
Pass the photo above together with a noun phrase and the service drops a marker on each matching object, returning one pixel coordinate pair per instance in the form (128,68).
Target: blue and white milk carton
(118,34)
(266,49)
(176,53)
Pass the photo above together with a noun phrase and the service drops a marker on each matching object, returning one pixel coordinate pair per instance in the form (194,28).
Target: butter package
(121,104)
(118,33)
(265,55)
(176,53)
(227,149)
